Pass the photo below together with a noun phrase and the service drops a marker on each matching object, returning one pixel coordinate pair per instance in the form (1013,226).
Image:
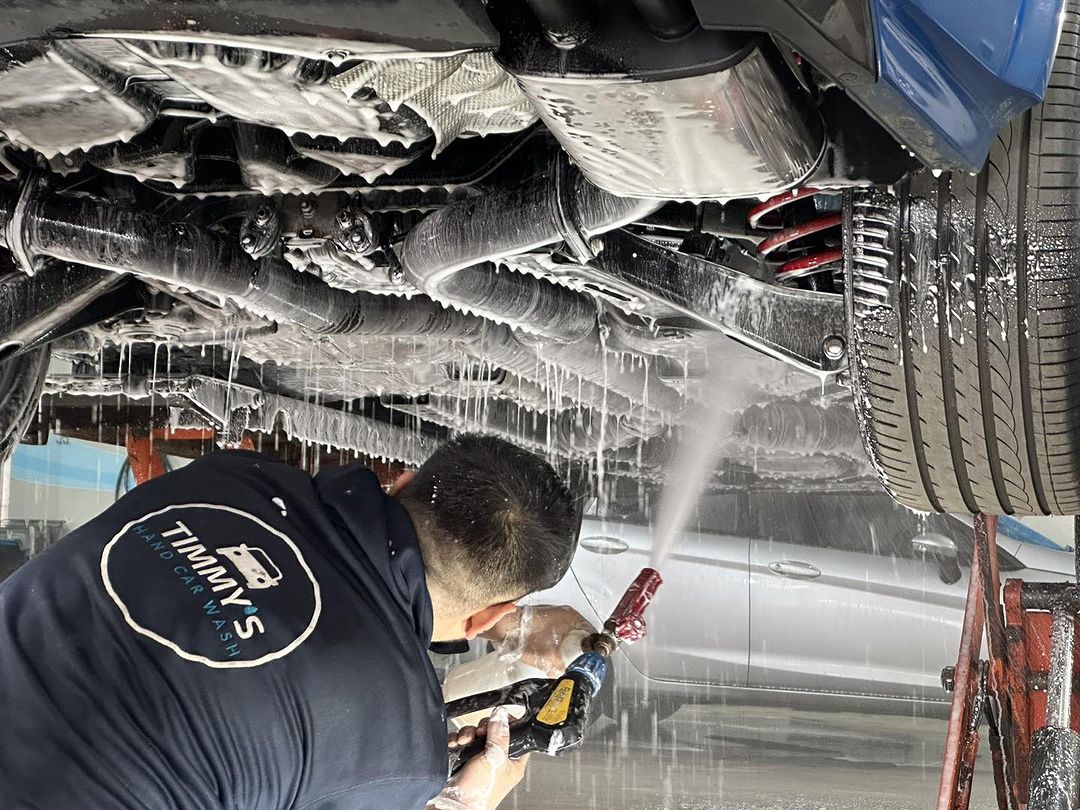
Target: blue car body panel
(1025,534)
(951,73)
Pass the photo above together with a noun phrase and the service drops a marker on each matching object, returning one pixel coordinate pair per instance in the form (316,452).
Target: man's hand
(535,634)
(488,777)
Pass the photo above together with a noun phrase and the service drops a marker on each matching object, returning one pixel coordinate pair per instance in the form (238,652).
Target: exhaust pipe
(145,245)
(445,254)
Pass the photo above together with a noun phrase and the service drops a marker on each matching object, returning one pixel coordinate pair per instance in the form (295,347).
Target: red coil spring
(811,262)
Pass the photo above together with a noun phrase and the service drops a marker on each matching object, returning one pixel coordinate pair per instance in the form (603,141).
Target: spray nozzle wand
(557,709)
(627,622)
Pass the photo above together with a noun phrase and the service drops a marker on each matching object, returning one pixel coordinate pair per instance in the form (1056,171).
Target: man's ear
(487,618)
(401,482)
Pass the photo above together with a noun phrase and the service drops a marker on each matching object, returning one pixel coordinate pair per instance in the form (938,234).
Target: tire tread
(965,350)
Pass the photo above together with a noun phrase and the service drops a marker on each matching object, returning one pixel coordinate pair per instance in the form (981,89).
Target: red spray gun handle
(627,622)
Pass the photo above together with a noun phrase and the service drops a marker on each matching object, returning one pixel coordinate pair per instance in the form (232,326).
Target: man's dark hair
(495,521)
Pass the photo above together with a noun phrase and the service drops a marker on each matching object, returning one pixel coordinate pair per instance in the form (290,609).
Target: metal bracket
(229,405)
(800,327)
(31,190)
(562,211)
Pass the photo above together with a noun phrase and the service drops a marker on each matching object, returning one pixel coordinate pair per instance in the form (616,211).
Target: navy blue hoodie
(232,635)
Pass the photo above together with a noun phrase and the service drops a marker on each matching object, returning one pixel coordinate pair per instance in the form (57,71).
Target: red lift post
(1024,690)
(147,463)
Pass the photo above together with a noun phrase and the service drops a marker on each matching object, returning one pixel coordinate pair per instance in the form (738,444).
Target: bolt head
(306,207)
(246,240)
(262,215)
(833,347)
(948,679)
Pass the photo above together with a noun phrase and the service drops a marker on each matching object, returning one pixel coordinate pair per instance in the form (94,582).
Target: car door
(841,602)
(699,621)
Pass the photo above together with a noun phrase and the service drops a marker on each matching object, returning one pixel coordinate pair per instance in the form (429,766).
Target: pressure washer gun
(556,709)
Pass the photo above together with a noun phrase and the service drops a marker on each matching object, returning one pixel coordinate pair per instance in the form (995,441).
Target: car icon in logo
(255,571)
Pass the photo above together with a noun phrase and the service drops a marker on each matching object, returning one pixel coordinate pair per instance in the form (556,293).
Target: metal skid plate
(800,327)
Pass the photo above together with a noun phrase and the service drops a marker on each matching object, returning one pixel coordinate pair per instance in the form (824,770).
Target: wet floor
(739,758)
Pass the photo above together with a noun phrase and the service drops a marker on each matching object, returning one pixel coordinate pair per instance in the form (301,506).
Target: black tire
(964,305)
(21,381)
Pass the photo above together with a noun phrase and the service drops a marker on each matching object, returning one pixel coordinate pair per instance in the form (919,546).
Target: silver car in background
(795,597)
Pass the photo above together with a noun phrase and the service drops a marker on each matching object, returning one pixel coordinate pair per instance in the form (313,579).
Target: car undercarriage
(562,224)
(402,226)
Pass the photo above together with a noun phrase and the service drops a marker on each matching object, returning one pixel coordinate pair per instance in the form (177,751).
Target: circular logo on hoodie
(213,584)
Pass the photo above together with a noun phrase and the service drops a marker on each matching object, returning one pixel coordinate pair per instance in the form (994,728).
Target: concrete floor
(737,758)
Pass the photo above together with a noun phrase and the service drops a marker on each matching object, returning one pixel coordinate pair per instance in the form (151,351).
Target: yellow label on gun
(557,707)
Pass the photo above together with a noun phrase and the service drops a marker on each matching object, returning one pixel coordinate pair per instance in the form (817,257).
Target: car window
(867,523)
(624,501)
(863,522)
(779,516)
(717,513)
(714,513)
(962,534)
(891,526)
(821,521)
